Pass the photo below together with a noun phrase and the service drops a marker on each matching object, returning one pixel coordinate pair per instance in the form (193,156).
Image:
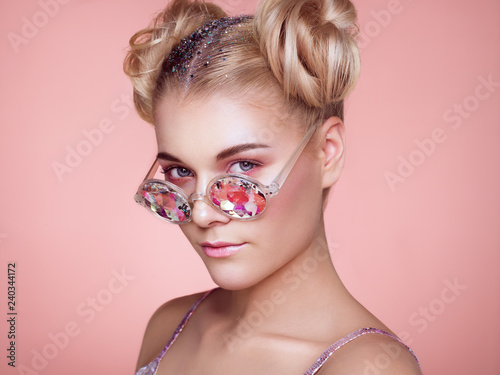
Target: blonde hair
(301,54)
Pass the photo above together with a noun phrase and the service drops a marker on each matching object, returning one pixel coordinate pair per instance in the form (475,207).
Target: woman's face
(201,139)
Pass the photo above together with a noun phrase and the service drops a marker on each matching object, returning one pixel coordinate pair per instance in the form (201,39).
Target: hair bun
(151,46)
(311,48)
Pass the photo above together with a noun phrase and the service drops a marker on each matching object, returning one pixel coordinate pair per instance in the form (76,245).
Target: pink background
(397,249)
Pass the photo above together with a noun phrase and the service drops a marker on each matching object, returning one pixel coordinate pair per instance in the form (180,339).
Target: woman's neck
(305,289)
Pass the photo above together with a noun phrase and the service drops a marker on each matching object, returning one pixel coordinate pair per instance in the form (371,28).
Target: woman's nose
(204,213)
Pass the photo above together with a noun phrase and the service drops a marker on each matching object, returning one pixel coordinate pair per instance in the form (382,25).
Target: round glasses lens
(237,197)
(165,202)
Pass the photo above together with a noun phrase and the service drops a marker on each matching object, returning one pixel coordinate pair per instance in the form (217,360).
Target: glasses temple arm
(283,174)
(152,170)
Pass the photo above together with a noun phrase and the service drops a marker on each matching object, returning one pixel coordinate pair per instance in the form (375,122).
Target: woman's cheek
(297,207)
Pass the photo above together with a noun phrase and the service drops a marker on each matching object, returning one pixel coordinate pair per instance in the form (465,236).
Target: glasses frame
(269,190)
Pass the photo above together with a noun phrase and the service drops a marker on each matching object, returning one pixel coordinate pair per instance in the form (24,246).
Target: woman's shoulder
(373,354)
(162,325)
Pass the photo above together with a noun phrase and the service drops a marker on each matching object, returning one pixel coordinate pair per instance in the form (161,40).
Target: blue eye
(177,172)
(242,166)
(246,165)
(182,172)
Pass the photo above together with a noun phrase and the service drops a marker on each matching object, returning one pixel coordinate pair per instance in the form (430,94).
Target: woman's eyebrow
(233,150)
(224,154)
(167,157)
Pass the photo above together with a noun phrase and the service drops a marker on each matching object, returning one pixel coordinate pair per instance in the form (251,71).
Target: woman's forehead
(218,123)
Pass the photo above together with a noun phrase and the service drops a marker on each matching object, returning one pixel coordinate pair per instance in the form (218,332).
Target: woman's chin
(232,281)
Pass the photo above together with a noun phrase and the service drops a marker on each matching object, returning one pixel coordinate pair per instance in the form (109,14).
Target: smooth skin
(284,265)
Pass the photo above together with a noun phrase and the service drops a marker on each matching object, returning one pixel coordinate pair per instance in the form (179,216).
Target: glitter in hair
(189,54)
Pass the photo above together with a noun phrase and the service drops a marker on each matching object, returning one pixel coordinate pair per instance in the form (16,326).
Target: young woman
(248,113)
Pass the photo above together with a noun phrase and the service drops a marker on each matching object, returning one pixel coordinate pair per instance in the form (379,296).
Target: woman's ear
(332,151)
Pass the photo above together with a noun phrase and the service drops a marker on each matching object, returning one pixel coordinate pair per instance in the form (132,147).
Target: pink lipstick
(220,249)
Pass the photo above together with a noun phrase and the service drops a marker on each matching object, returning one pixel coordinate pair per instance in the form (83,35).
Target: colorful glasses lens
(237,197)
(166,202)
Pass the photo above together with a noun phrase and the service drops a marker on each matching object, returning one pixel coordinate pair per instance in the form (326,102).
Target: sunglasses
(235,195)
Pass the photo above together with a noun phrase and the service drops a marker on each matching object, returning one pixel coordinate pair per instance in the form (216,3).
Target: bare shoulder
(372,354)
(162,325)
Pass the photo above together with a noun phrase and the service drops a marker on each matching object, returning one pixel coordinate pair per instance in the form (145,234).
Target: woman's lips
(220,249)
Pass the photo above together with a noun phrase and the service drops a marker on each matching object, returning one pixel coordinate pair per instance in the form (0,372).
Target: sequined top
(152,367)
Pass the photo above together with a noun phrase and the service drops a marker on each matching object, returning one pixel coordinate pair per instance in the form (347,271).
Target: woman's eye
(242,166)
(178,172)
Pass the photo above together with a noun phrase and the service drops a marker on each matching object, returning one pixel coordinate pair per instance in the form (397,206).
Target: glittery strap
(152,367)
(337,345)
